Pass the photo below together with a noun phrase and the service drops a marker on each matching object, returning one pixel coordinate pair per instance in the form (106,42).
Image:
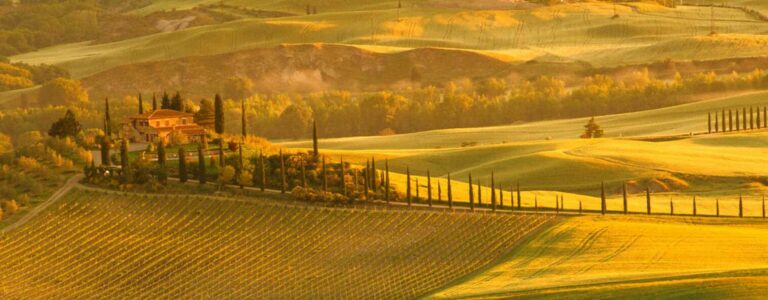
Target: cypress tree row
(429,189)
(182,165)
(282,173)
(201,176)
(602,198)
(624,194)
(450,193)
(141,105)
(314,139)
(408,185)
(386,190)
(648,199)
(471,193)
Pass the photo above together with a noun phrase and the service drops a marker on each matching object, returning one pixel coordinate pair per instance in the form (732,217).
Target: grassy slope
(582,31)
(107,246)
(589,257)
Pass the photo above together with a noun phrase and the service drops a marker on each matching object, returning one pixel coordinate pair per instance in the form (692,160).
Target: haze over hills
(356,149)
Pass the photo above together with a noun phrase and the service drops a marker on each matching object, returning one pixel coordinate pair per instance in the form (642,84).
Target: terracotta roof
(162,114)
(192,129)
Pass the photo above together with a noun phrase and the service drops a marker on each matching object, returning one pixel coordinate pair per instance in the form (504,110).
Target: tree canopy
(62,91)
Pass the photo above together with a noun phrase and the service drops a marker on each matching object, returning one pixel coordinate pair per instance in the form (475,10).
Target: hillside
(590,257)
(106,246)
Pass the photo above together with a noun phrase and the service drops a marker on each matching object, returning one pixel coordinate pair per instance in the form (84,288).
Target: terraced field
(95,245)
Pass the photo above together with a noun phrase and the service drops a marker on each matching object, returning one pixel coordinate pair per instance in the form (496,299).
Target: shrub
(10,207)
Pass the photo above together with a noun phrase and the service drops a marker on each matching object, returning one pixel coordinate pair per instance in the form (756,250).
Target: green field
(637,258)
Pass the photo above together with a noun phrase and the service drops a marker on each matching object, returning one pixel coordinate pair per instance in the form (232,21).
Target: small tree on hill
(182,165)
(592,130)
(67,126)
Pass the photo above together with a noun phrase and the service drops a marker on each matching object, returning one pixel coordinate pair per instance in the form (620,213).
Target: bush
(10,207)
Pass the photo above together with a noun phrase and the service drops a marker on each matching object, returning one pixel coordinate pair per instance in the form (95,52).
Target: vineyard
(98,245)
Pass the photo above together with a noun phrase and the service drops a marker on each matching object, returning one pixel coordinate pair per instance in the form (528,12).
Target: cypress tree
(738,123)
(221,151)
(765,117)
(536,203)
(106,160)
(450,193)
(182,165)
(141,105)
(366,177)
(386,190)
(283,182)
(303,174)
(722,116)
(519,202)
(602,198)
(694,205)
(763,202)
(709,123)
(648,199)
(356,180)
(201,176)
(741,207)
(479,194)
(343,180)
(557,204)
(717,206)
(325,176)
(439,193)
(243,121)
(218,107)
(408,185)
(471,193)
(263,166)
(154,102)
(624,194)
(717,125)
(176,102)
(429,189)
(758,124)
(493,193)
(744,114)
(161,153)
(751,117)
(107,119)
(418,199)
(580,209)
(241,165)
(501,196)
(730,120)
(671,207)
(562,202)
(373,174)
(124,164)
(314,139)
(166,102)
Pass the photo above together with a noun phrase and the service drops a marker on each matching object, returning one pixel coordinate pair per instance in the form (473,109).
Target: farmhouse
(162,125)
